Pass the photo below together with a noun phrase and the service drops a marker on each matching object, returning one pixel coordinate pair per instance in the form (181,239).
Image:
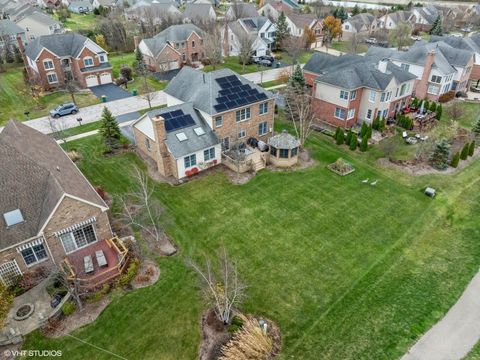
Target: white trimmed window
(242,133)
(88,61)
(385,113)
(433,89)
(340,113)
(351,114)
(263,108)
(383,97)
(79,238)
(34,254)
(353,95)
(389,96)
(242,115)
(209,154)
(48,64)
(147,143)
(190,160)
(373,96)
(262,128)
(403,89)
(52,78)
(102,58)
(436,79)
(405,67)
(218,121)
(344,94)
(369,114)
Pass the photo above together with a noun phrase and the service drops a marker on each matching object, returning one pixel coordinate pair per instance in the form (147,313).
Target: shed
(283,149)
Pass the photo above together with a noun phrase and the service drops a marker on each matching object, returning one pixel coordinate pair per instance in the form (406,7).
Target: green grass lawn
(15,98)
(474,354)
(343,46)
(79,22)
(470,111)
(347,270)
(272,83)
(233,63)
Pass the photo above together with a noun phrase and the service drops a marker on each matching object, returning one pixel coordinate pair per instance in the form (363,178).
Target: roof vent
(13,217)
(181,136)
(58,168)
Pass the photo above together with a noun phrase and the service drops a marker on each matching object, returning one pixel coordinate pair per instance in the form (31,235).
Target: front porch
(93,273)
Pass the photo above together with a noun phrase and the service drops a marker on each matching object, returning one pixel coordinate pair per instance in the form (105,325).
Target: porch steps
(258,164)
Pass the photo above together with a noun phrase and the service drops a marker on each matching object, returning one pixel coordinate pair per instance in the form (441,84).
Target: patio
(115,254)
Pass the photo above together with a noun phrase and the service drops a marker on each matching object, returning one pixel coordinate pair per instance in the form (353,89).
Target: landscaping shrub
(426,104)
(109,130)
(363,130)
(446,97)
(476,126)
(455,160)
(6,299)
(126,278)
(381,126)
(340,137)
(235,325)
(433,106)
(404,122)
(439,157)
(126,72)
(337,130)
(353,142)
(364,144)
(68,308)
(349,137)
(97,296)
(414,102)
(369,132)
(376,123)
(471,148)
(439,112)
(464,153)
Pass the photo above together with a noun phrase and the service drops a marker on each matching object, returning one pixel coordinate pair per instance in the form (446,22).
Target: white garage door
(169,65)
(105,78)
(92,80)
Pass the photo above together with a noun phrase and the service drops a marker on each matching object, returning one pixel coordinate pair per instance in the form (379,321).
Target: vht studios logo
(33,353)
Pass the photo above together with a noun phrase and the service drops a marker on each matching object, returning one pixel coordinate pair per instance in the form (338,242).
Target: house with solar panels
(207,115)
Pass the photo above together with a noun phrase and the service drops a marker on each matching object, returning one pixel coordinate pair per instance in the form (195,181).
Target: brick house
(438,67)
(298,22)
(52,60)
(173,47)
(212,112)
(50,214)
(359,25)
(352,89)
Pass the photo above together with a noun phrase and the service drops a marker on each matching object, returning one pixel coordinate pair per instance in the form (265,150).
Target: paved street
(111,91)
(454,336)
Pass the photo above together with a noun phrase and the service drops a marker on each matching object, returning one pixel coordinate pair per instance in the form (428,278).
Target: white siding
(199,155)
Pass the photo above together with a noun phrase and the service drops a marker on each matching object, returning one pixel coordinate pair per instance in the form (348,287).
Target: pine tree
(439,111)
(342,14)
(355,10)
(109,129)
(369,132)
(337,130)
(282,30)
(353,142)
(376,123)
(364,129)
(464,153)
(340,137)
(433,106)
(364,144)
(349,137)
(297,79)
(437,27)
(381,125)
(426,105)
(476,126)
(471,148)
(440,154)
(138,58)
(455,160)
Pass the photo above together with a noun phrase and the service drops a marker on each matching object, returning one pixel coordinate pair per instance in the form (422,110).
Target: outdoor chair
(101,259)
(88,263)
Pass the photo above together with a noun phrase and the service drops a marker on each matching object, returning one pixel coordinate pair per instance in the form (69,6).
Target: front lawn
(344,46)
(233,63)
(346,269)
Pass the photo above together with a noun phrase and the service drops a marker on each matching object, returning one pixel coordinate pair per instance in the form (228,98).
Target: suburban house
(80,6)
(156,13)
(424,17)
(51,60)
(260,28)
(273,8)
(38,24)
(390,21)
(465,43)
(9,31)
(208,114)
(173,47)
(438,67)
(48,3)
(352,89)
(239,10)
(51,217)
(15,10)
(197,13)
(359,25)
(298,22)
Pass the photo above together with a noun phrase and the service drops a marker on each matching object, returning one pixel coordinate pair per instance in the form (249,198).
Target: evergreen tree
(342,14)
(353,142)
(433,106)
(340,137)
(471,148)
(455,160)
(437,27)
(426,105)
(440,154)
(369,132)
(109,129)
(349,137)
(363,130)
(282,30)
(376,123)
(381,125)
(476,126)
(138,58)
(297,79)
(464,153)
(337,130)
(439,111)
(355,10)
(364,144)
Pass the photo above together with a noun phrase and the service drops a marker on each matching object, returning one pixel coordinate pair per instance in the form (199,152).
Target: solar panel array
(176,119)
(235,94)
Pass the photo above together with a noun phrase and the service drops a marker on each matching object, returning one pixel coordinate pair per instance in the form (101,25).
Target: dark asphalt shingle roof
(197,11)
(174,33)
(462,43)
(8,27)
(35,173)
(69,44)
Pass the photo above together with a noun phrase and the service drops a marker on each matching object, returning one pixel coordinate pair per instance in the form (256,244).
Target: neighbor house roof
(284,141)
(301,20)
(319,61)
(174,33)
(86,4)
(462,43)
(41,18)
(8,27)
(195,140)
(202,89)
(400,15)
(243,10)
(35,174)
(200,11)
(69,44)
(429,13)
(253,24)
(359,20)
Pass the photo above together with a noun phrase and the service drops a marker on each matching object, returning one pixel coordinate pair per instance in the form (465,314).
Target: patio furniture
(101,259)
(430,192)
(404,135)
(88,264)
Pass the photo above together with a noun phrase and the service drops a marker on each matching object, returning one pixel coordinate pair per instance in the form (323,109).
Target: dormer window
(48,64)
(13,217)
(88,61)
(102,58)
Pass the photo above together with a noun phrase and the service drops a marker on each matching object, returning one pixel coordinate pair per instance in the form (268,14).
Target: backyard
(80,22)
(347,270)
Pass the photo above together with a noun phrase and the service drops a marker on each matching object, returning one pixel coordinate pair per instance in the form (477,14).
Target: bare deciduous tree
(212,46)
(293,46)
(245,42)
(299,109)
(221,285)
(455,111)
(353,44)
(71,86)
(147,91)
(58,127)
(140,208)
(400,36)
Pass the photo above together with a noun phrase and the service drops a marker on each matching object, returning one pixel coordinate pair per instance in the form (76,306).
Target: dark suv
(64,109)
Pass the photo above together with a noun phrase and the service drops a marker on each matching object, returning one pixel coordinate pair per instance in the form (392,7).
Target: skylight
(13,217)
(181,136)
(199,131)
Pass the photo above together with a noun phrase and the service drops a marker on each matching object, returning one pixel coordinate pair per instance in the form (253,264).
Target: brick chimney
(162,153)
(136,41)
(422,85)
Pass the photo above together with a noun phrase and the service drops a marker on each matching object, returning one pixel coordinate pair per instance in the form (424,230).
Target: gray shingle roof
(8,27)
(284,141)
(243,9)
(400,15)
(359,20)
(35,174)
(194,142)
(69,44)
(201,89)
(462,43)
(301,20)
(321,61)
(42,18)
(174,33)
(197,11)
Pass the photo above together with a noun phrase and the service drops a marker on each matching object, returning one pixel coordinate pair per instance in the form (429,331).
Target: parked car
(416,37)
(267,57)
(64,109)
(371,41)
(265,62)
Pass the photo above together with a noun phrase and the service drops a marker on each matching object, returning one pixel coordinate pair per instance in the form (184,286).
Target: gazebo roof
(284,141)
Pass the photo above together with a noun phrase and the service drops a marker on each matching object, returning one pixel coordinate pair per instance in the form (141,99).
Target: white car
(416,37)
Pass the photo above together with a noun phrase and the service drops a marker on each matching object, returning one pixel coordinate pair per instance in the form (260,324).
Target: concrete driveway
(111,91)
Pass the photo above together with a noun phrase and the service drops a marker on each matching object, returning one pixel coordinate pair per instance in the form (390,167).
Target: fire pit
(24,312)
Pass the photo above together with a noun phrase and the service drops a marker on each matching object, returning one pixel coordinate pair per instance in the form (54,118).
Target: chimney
(136,41)
(422,86)
(21,48)
(160,137)
(382,65)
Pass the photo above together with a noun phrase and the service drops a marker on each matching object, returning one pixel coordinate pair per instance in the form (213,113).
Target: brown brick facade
(325,112)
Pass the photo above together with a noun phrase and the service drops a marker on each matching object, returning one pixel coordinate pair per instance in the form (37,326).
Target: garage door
(92,80)
(167,66)
(105,78)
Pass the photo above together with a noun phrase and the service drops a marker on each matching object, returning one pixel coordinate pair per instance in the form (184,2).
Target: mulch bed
(148,274)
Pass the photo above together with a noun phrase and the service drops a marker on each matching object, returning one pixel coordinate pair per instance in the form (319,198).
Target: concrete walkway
(456,334)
